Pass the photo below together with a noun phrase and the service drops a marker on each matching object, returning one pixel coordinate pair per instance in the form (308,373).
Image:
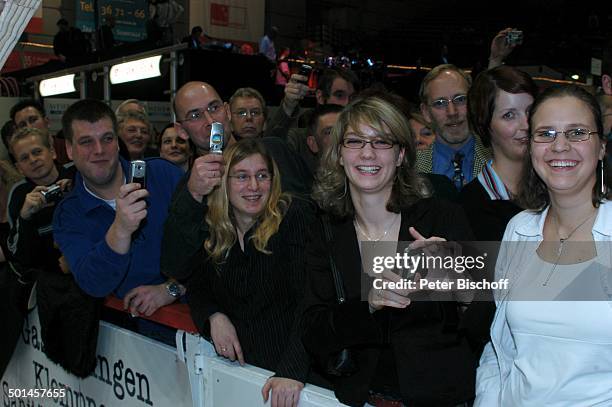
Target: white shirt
(548,353)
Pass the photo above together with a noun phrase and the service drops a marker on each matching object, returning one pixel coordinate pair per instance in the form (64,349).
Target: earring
(602,184)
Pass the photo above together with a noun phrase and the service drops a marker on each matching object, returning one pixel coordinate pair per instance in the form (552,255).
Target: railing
(133,370)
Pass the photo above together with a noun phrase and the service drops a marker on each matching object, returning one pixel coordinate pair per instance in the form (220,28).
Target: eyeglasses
(243,113)
(243,177)
(572,135)
(356,143)
(442,103)
(198,114)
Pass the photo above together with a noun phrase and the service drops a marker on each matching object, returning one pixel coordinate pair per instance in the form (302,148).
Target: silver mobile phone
(138,171)
(216,138)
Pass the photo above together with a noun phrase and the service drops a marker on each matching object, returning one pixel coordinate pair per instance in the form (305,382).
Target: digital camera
(53,194)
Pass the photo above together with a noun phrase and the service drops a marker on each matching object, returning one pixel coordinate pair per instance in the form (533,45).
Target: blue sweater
(80,224)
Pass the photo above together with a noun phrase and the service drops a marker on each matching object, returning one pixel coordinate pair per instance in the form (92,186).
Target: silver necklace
(370,239)
(562,241)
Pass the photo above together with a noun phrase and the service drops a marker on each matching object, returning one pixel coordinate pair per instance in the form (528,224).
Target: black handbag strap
(338,283)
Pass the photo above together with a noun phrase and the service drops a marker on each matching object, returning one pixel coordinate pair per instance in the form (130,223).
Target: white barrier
(134,370)
(220,383)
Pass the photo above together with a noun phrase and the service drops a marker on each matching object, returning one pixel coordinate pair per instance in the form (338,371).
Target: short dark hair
(88,110)
(192,147)
(482,94)
(250,93)
(533,193)
(329,75)
(62,21)
(19,106)
(317,112)
(196,29)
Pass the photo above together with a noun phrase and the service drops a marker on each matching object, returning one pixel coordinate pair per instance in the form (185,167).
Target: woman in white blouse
(551,339)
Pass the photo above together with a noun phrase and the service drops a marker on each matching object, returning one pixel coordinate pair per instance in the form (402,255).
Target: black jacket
(260,293)
(488,218)
(31,241)
(434,364)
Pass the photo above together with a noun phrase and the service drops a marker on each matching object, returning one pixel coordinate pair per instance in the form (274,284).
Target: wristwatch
(173,289)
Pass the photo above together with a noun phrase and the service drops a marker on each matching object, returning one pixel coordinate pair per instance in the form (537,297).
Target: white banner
(131,371)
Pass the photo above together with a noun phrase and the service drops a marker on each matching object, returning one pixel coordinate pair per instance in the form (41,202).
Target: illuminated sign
(56,86)
(135,70)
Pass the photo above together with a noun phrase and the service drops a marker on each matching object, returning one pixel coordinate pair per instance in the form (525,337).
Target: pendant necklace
(562,241)
(370,239)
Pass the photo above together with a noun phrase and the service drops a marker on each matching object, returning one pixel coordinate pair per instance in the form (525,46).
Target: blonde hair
(41,134)
(220,218)
(331,190)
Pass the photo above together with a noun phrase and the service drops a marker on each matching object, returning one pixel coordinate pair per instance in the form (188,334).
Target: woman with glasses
(247,294)
(551,338)
(499,101)
(401,351)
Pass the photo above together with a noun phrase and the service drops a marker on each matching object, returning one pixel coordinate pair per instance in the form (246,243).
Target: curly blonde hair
(331,190)
(220,217)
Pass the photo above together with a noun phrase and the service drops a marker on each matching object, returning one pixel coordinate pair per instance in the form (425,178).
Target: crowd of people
(266,238)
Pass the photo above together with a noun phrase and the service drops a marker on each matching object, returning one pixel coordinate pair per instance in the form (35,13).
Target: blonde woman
(248,291)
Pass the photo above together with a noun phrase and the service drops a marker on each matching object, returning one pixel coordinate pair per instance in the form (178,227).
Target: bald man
(197,105)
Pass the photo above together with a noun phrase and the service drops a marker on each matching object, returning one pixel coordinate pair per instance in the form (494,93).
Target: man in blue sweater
(109,229)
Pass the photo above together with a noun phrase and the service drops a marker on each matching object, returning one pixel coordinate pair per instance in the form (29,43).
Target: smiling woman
(135,132)
(247,294)
(499,101)
(567,265)
(174,148)
(368,185)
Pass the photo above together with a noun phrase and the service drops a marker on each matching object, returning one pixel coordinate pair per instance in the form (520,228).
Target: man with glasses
(248,113)
(456,153)
(197,105)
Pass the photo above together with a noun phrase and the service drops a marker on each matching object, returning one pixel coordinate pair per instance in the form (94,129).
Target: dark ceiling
(559,33)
